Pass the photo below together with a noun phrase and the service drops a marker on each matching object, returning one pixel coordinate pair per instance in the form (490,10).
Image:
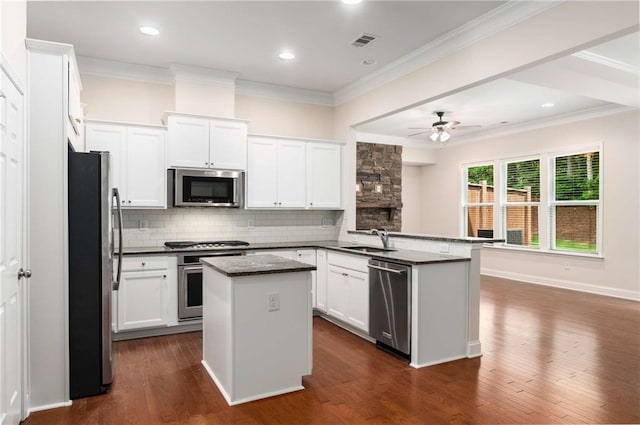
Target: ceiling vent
(364,39)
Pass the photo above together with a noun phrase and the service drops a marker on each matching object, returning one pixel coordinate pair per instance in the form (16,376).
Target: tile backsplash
(155,227)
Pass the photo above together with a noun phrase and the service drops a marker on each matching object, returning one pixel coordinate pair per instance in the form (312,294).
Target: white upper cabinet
(275,173)
(292,173)
(188,142)
(204,142)
(324,175)
(137,161)
(146,167)
(228,148)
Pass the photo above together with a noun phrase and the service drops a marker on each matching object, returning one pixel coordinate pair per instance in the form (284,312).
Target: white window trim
(545,205)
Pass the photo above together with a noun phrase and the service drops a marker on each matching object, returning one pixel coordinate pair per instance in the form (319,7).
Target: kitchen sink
(367,249)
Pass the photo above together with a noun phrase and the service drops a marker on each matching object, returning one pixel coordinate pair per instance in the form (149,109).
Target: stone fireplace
(379,186)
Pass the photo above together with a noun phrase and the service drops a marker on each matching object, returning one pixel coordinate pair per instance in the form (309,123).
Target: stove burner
(202,245)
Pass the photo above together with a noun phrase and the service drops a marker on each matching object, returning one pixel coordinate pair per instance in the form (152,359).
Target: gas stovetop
(204,244)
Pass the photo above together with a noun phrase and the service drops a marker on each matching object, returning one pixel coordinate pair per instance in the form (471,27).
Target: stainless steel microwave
(205,188)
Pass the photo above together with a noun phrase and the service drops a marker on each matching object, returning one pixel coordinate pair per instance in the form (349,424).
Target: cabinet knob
(164,276)
(279,203)
(206,163)
(311,203)
(143,264)
(129,202)
(275,203)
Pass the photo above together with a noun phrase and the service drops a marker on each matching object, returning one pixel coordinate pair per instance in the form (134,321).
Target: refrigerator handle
(116,194)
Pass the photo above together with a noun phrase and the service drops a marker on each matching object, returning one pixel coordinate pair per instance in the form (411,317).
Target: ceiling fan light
(434,136)
(444,136)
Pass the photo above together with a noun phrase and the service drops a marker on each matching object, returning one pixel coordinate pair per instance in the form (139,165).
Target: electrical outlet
(143,225)
(326,222)
(273,301)
(443,248)
(251,224)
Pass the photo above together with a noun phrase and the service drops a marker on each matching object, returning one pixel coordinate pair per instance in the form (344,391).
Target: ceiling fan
(440,130)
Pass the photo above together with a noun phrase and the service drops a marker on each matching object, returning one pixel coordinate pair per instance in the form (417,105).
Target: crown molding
(124,70)
(606,61)
(385,139)
(285,93)
(505,16)
(201,75)
(582,115)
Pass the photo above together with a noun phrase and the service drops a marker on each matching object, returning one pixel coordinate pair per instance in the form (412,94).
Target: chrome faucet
(384,236)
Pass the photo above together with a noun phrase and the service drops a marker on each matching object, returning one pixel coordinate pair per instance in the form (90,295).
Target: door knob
(24,273)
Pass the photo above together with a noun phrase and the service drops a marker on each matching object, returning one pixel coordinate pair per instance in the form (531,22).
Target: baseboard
(49,406)
(435,362)
(474,349)
(346,327)
(564,284)
(167,330)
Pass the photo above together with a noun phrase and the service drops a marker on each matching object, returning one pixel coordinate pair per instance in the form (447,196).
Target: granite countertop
(255,265)
(467,239)
(403,256)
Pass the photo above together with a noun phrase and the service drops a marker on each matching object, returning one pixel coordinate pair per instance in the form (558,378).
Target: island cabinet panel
(250,349)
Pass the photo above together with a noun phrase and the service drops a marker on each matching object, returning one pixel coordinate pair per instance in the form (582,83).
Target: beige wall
(13,30)
(619,135)
(204,99)
(411,199)
(114,99)
(270,116)
(563,29)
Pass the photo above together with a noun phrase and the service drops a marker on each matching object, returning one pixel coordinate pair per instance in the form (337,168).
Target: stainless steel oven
(190,282)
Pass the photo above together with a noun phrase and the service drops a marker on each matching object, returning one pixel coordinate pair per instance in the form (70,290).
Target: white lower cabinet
(143,299)
(348,290)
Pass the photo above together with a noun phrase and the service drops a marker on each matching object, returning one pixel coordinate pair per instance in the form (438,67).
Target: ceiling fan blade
(417,134)
(419,128)
(465,127)
(451,124)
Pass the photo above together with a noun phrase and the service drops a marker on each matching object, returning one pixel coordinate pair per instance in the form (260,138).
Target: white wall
(412,194)
(13,30)
(284,118)
(115,99)
(616,274)
(204,99)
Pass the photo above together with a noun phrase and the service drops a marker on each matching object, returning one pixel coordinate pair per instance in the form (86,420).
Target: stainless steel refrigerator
(93,210)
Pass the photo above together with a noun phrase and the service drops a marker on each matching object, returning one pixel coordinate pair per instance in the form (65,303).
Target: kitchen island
(256,325)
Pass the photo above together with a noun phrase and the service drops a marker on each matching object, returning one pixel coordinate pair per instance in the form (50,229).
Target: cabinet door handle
(345,274)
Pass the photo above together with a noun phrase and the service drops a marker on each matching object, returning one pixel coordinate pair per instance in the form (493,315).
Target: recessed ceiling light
(368,61)
(547,105)
(149,31)
(286,56)
(351,1)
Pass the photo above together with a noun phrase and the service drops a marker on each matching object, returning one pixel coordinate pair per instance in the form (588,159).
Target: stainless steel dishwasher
(390,305)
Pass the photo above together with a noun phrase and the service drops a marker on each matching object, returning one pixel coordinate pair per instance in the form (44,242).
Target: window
(478,201)
(548,202)
(521,200)
(575,207)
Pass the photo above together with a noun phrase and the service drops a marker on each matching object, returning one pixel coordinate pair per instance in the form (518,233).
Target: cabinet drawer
(353,262)
(144,263)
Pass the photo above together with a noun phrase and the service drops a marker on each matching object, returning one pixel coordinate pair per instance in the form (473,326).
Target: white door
(12,188)
(146,168)
(228,145)
(188,142)
(291,174)
(143,300)
(324,175)
(337,292)
(358,300)
(112,139)
(262,175)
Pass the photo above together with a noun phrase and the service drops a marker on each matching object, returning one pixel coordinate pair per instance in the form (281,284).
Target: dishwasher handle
(385,269)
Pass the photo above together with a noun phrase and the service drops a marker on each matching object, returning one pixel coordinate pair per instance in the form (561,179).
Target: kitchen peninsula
(256,325)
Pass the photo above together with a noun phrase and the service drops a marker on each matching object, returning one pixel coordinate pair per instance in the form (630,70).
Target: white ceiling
(596,81)
(246,36)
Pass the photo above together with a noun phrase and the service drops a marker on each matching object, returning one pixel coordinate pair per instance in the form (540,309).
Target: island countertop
(255,265)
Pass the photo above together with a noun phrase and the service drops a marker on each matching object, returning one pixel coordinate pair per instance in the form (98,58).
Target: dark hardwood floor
(550,356)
